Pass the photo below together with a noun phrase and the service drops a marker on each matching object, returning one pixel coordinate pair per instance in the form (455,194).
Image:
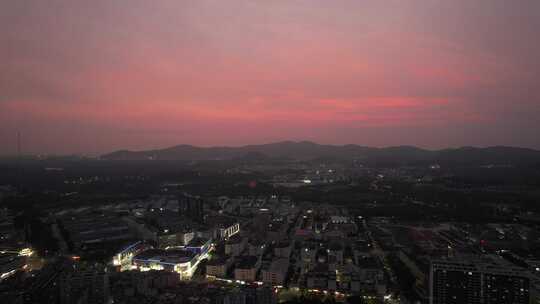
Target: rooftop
(279,265)
(198,242)
(165,256)
(246,262)
(217,260)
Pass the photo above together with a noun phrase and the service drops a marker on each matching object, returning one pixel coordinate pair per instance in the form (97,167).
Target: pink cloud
(246,71)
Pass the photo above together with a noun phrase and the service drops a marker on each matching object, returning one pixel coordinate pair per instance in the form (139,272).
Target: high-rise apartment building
(477,281)
(191,207)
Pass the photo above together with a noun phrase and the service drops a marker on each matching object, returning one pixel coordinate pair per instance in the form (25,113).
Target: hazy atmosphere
(270,151)
(97,76)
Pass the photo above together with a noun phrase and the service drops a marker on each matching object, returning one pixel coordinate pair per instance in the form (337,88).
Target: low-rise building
(276,273)
(308,253)
(85,285)
(199,245)
(223,227)
(246,268)
(183,262)
(94,231)
(123,259)
(256,247)
(218,267)
(335,253)
(321,278)
(235,246)
(283,249)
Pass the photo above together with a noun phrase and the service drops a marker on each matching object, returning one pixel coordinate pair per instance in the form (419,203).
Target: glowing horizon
(78,77)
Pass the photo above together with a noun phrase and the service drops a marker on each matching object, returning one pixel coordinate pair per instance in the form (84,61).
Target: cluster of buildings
(181,261)
(484,279)
(179,248)
(39,286)
(301,247)
(164,287)
(14,251)
(94,232)
(260,241)
(461,263)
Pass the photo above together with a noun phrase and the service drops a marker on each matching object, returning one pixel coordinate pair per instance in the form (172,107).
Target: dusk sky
(101,75)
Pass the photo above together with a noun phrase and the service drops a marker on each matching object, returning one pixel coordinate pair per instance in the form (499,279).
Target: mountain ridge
(307,150)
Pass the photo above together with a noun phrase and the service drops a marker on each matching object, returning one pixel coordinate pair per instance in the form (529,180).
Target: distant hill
(306,150)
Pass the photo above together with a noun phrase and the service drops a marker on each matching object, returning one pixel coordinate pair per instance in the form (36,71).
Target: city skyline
(97,77)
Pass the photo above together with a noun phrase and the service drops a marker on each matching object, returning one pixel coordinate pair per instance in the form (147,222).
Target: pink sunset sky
(101,75)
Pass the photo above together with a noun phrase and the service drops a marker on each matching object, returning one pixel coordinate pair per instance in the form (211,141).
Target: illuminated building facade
(181,261)
(123,259)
